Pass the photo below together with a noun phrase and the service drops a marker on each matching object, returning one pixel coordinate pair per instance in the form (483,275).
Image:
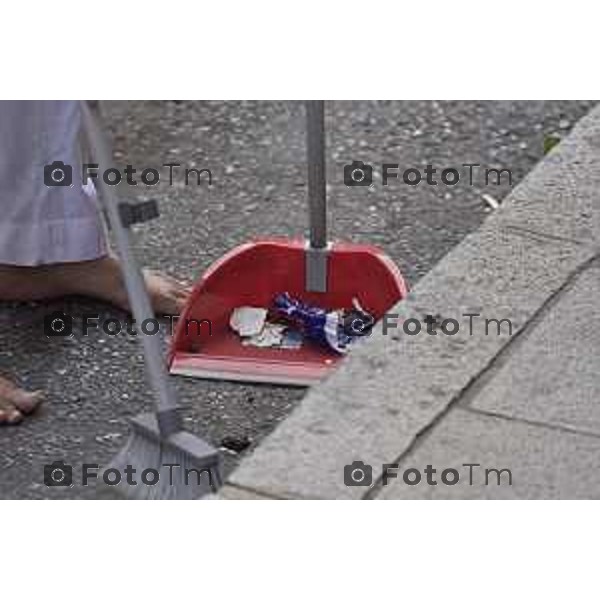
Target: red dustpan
(326,275)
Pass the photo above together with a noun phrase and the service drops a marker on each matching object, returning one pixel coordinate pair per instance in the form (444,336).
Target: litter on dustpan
(250,323)
(248,320)
(334,329)
(292,340)
(271,336)
(317,271)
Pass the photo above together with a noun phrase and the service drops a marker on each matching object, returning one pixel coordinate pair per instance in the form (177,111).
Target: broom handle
(315,127)
(168,420)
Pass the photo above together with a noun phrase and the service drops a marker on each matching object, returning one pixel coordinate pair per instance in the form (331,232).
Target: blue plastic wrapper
(327,328)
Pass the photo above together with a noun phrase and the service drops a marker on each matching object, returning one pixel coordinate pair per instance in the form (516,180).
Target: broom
(160,459)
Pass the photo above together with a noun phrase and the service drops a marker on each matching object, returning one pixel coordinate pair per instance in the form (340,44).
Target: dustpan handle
(167,417)
(317,201)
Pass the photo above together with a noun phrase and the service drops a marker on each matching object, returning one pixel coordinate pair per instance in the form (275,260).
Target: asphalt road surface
(256,154)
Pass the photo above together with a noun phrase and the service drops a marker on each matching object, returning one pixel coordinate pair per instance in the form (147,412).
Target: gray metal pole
(315,126)
(316,252)
(136,288)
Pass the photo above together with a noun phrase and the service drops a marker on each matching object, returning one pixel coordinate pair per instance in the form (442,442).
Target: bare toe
(16,402)
(14,417)
(168,295)
(9,415)
(27,402)
(181,297)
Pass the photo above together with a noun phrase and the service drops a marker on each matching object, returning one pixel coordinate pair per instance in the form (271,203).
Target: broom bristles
(181,468)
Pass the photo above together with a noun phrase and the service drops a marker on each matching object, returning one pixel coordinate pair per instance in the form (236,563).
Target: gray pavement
(519,406)
(256,153)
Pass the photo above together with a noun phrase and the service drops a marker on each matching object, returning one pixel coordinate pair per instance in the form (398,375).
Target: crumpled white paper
(248,320)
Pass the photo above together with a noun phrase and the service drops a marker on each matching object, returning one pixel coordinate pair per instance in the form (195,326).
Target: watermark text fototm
(60,324)
(60,174)
(358,173)
(359,473)
(60,474)
(362,326)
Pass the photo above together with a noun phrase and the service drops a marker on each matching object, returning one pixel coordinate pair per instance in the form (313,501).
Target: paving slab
(554,375)
(545,463)
(500,273)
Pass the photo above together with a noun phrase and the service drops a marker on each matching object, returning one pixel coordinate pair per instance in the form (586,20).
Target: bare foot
(15,402)
(101,279)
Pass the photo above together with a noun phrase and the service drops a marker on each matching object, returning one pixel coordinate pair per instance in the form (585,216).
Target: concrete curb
(395,387)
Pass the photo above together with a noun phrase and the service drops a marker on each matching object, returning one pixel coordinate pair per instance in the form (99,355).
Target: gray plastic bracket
(316,268)
(137,212)
(169,421)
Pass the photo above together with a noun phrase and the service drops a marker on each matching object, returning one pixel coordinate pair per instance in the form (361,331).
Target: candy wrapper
(336,329)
